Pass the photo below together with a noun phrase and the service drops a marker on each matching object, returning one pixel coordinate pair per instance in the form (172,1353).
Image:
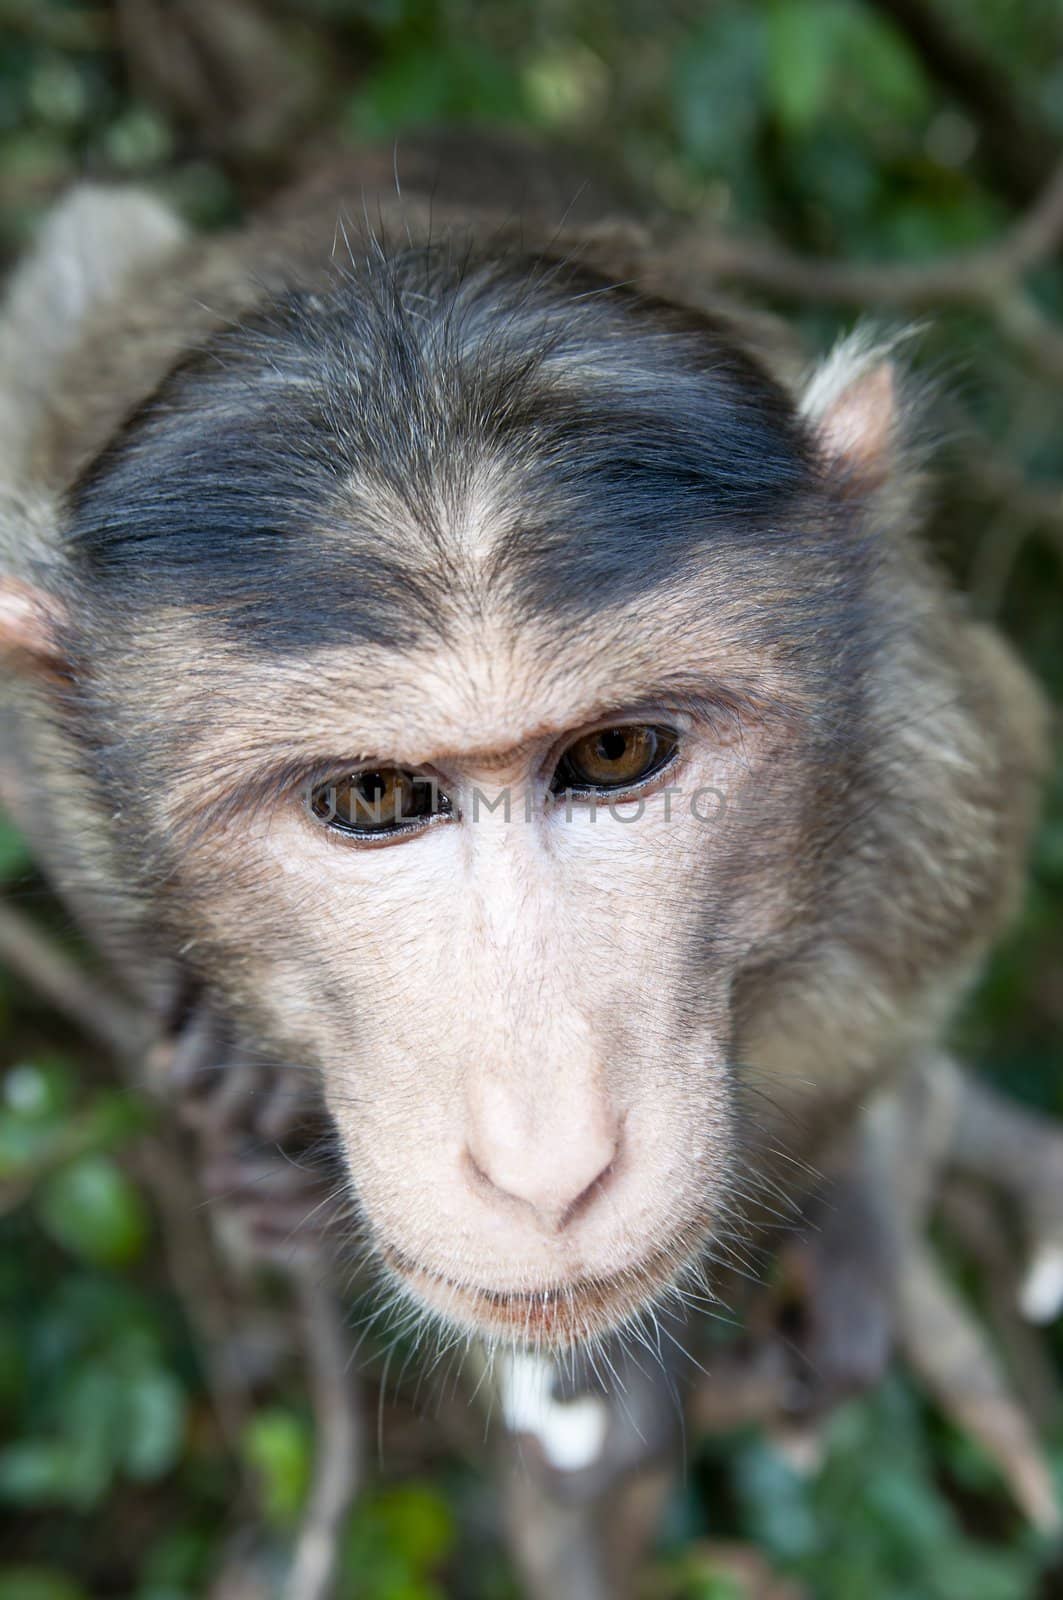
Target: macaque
(459,645)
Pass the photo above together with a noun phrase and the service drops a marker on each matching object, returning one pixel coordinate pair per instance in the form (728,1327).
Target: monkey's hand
(261,1137)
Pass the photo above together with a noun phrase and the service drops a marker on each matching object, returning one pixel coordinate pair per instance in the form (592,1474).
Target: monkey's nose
(556,1167)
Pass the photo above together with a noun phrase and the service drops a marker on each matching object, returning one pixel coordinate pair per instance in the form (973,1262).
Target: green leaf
(279,1445)
(718,81)
(95,1211)
(395,1542)
(112,1117)
(881,67)
(38,1091)
(14,854)
(565,87)
(802,49)
(418,1521)
(12,1367)
(26,1147)
(38,1583)
(177,1564)
(36,1472)
(433,85)
(138,138)
(92,1422)
(154,1424)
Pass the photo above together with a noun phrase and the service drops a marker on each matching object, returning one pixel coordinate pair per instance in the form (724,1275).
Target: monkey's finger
(224,1104)
(196,1048)
(286,1107)
(230,1175)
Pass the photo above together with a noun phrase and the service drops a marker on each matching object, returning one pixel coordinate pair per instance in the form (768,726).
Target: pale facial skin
(522,1043)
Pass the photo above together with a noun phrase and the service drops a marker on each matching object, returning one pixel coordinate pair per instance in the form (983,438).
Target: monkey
(452,638)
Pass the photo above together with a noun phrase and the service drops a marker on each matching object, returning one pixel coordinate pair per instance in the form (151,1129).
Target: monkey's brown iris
(615,758)
(379,801)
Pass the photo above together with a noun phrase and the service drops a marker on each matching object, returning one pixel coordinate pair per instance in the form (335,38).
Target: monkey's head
(464,652)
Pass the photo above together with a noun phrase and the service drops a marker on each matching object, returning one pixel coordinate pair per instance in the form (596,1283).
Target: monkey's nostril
(557,1183)
(589,1194)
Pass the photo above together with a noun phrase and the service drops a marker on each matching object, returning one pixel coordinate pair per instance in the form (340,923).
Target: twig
(1022,1154)
(1038,234)
(103,1017)
(88,28)
(1039,505)
(986,280)
(953,1360)
(970,1213)
(963,279)
(338,1454)
(557,1547)
(193,1268)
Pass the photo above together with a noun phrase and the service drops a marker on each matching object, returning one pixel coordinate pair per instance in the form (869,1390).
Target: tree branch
(952,1358)
(338,1441)
(987,280)
(81,999)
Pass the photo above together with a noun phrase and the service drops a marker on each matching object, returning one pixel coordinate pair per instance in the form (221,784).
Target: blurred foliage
(814,120)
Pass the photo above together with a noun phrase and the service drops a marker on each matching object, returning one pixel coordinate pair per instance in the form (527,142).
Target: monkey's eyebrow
(706,703)
(697,696)
(699,701)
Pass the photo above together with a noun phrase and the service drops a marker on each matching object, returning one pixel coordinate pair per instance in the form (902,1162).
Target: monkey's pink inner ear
(30,627)
(856,425)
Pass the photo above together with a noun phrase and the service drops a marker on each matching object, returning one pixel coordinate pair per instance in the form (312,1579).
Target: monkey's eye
(615,758)
(379,801)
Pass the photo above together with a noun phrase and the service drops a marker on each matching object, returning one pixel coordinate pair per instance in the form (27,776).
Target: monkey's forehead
(382,456)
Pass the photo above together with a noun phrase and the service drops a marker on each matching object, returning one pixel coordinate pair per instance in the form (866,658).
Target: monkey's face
(459,697)
(504,918)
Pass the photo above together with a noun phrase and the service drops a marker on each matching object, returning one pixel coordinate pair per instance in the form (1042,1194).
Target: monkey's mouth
(556,1315)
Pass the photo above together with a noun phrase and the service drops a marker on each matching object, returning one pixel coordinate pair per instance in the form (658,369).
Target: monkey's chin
(555,1317)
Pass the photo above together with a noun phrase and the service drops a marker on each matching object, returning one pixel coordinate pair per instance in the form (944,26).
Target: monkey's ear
(85,254)
(87,251)
(31,627)
(853,406)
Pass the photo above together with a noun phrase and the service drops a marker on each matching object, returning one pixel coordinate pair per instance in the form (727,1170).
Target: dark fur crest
(307,475)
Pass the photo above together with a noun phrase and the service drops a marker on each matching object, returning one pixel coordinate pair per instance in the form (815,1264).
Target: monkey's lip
(556,1314)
